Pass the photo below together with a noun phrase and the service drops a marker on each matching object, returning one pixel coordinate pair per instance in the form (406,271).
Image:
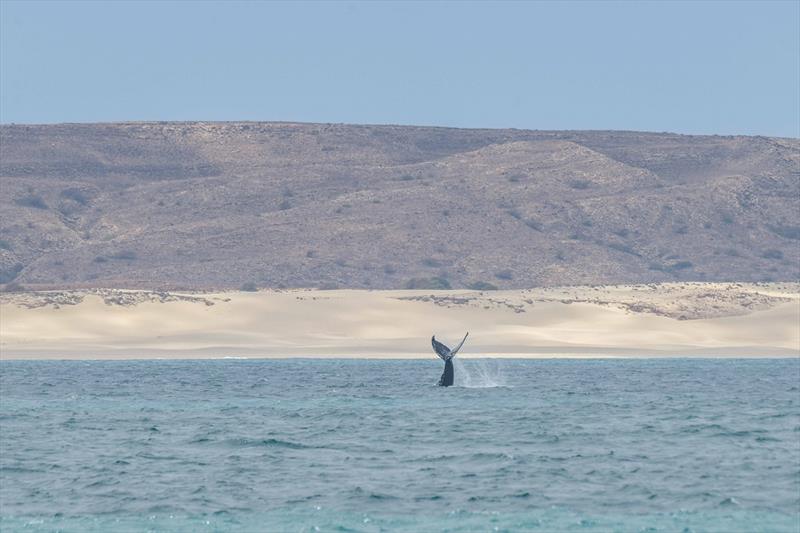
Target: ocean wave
(307,450)
(267,443)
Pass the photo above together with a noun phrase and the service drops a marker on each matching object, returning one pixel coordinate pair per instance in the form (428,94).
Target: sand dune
(683,319)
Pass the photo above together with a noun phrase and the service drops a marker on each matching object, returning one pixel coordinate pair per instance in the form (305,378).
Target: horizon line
(388,125)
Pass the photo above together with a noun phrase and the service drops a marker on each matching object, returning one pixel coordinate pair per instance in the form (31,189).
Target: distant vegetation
(580,184)
(122,255)
(126,255)
(249,287)
(672,267)
(32,200)
(13,287)
(76,195)
(680,265)
(772,254)
(482,286)
(534,224)
(504,274)
(626,248)
(788,232)
(435,283)
(10,272)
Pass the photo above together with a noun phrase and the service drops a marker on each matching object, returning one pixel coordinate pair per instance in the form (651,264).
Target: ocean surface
(344,445)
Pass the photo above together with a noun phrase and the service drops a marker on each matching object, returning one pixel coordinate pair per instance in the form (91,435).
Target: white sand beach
(680,319)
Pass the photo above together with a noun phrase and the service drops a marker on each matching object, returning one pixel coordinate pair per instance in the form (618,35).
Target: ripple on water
(266,443)
(220,445)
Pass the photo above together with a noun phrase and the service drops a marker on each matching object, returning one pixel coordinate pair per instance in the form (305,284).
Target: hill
(219,205)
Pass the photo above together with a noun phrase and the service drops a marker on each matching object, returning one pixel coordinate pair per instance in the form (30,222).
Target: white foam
(478,373)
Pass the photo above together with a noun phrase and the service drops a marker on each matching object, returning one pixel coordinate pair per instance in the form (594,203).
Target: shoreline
(677,320)
(543,357)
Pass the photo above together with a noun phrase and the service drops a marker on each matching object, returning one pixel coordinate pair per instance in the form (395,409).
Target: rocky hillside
(226,205)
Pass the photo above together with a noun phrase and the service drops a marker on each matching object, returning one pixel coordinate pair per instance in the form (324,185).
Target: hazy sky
(689,67)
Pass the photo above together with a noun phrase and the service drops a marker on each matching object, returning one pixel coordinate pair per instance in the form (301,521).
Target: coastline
(663,320)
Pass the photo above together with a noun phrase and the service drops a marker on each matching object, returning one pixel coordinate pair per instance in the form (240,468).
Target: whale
(446,354)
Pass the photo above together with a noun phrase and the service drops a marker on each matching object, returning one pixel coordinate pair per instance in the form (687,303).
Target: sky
(718,67)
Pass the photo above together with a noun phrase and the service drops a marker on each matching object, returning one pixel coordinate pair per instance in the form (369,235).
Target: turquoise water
(337,445)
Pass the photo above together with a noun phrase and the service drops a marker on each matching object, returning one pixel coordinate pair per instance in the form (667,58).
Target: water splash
(478,373)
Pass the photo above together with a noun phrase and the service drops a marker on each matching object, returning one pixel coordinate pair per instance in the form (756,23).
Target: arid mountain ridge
(204,205)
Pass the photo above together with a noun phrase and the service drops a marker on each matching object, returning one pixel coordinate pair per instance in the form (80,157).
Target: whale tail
(446,354)
(443,351)
(448,376)
(455,350)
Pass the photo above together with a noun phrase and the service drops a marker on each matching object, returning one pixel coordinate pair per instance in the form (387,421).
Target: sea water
(344,445)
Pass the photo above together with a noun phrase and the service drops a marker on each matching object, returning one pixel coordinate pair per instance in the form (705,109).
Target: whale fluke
(446,354)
